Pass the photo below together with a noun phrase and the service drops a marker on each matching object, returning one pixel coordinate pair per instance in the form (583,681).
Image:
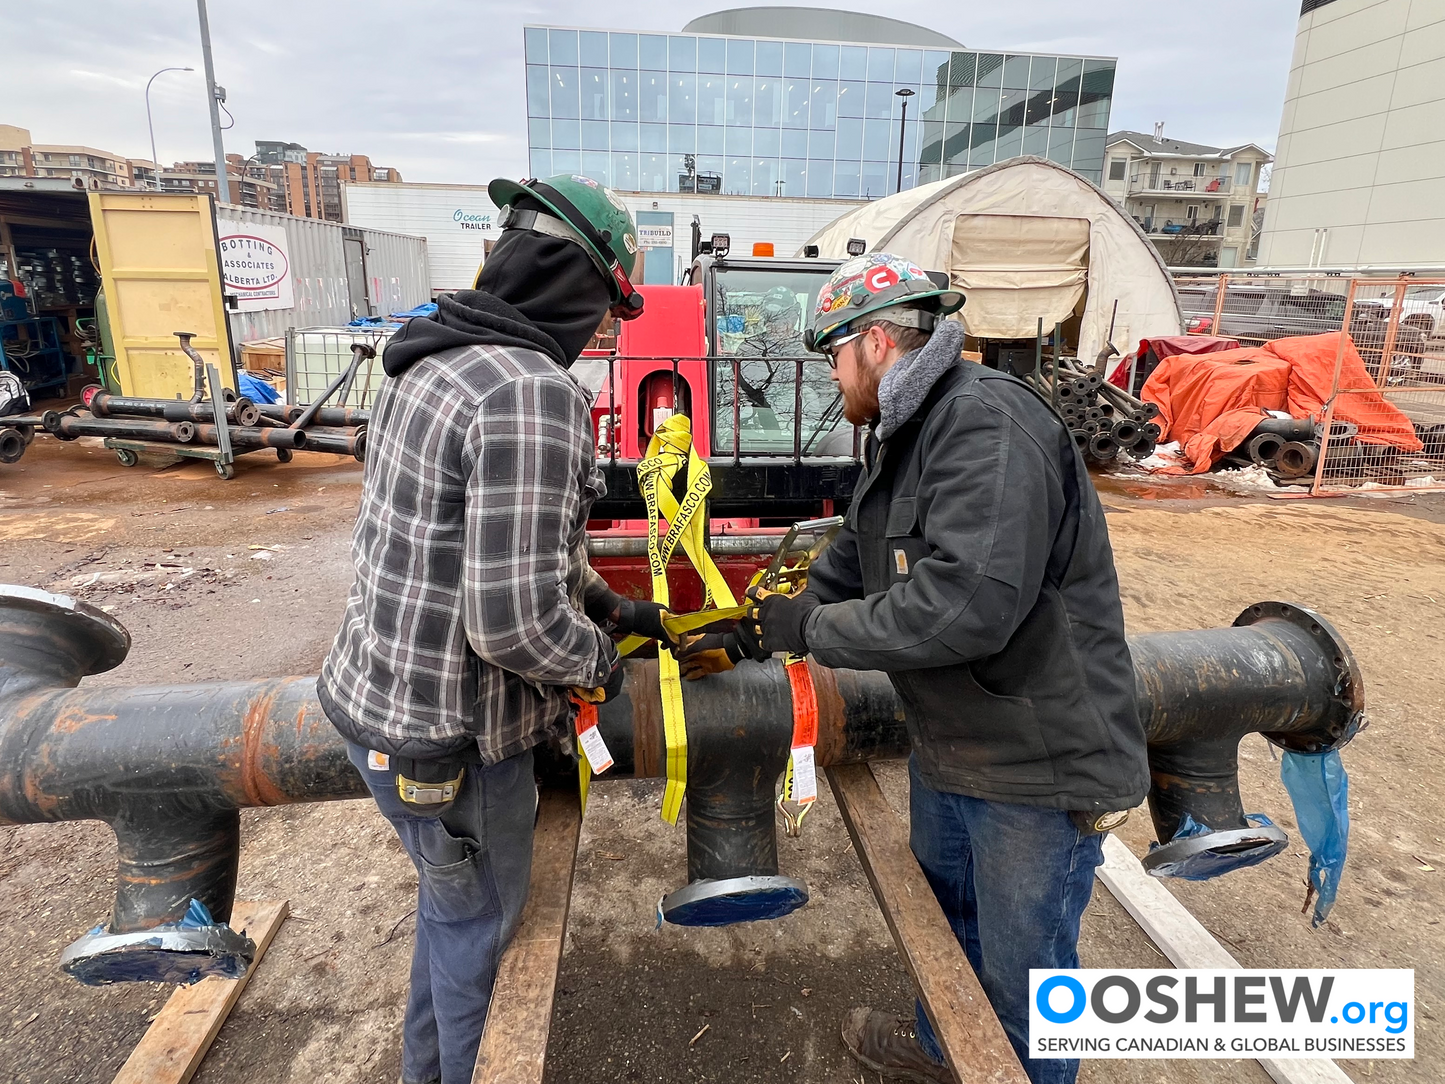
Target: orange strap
(586,714)
(586,717)
(805,702)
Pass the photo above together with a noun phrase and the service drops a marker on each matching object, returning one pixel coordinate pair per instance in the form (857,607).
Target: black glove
(621,617)
(775,623)
(636,616)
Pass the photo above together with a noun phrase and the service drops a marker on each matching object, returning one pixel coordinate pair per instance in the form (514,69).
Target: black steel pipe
(255,437)
(325,416)
(12,444)
(105,405)
(343,441)
(72,426)
(168,766)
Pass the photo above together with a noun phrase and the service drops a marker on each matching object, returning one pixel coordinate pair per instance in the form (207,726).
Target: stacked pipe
(1103,420)
(328,429)
(173,421)
(1289,448)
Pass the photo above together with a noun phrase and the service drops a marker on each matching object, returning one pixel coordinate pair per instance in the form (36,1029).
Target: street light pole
(223,179)
(156,178)
(905,94)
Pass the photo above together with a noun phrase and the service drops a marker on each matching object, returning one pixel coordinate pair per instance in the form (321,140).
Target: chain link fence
(1383,425)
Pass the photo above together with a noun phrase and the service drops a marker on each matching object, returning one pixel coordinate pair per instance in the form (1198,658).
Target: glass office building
(753,116)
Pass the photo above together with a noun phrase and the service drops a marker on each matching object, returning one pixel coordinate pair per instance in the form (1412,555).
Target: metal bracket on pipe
(218,410)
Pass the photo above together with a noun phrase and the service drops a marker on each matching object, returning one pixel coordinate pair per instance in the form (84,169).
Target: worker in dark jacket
(473,608)
(975,569)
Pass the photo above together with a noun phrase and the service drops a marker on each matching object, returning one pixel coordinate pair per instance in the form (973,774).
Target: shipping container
(175,262)
(459,219)
(329,273)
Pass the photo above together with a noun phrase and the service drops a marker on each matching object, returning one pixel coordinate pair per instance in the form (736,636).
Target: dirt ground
(268,574)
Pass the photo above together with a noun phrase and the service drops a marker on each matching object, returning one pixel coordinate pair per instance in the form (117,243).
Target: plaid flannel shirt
(465,617)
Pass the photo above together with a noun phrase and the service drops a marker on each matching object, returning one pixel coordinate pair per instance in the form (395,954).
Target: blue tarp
(256,389)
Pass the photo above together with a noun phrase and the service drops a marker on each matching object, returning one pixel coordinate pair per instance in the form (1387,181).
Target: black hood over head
(535,292)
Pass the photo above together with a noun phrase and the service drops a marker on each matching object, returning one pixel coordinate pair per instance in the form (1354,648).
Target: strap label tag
(593,747)
(805,775)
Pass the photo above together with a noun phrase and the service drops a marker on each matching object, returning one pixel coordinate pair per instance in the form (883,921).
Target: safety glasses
(831,350)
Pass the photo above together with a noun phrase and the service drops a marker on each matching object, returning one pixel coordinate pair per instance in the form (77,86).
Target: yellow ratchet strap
(669,451)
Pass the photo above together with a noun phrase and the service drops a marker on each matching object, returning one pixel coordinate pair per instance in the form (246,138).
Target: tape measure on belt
(669,451)
(800,783)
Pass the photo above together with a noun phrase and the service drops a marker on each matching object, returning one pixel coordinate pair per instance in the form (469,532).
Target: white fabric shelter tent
(1024,239)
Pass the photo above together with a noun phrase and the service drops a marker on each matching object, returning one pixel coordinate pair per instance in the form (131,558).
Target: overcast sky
(436,88)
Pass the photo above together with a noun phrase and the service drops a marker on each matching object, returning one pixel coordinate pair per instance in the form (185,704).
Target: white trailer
(458,219)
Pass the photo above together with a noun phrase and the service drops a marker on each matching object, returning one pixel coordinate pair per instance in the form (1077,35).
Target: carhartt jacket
(975,569)
(465,621)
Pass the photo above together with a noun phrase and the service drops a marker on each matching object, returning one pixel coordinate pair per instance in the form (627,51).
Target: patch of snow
(1251,477)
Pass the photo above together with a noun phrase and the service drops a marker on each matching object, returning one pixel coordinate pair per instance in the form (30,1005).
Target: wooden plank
(1183,938)
(514,1044)
(171,1050)
(973,1041)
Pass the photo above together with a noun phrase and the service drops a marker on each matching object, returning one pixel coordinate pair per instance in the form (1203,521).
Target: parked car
(1423,308)
(1255,314)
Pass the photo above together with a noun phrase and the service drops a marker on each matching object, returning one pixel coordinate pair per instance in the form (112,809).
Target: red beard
(861,406)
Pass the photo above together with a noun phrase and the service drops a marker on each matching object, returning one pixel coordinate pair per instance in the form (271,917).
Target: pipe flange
(1210,854)
(1349,688)
(733,899)
(55,640)
(176,954)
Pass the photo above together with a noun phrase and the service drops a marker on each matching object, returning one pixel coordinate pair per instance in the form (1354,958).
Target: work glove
(623,617)
(775,623)
(640,618)
(708,653)
(602,693)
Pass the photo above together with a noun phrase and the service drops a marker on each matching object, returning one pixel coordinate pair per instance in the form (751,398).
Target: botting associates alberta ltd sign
(255,267)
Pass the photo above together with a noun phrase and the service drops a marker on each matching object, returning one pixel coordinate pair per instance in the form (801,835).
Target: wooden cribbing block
(1183,938)
(973,1041)
(514,1044)
(171,1050)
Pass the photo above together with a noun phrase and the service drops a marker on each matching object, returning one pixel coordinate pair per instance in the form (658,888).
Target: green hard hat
(593,216)
(865,285)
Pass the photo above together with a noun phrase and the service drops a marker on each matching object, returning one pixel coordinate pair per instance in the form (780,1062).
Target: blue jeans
(473,858)
(1013,881)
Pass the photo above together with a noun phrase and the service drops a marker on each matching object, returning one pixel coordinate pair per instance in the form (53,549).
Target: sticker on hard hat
(613,199)
(629,242)
(586,180)
(880,278)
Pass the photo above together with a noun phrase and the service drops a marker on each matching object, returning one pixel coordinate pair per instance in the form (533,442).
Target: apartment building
(250,186)
(309,183)
(1200,205)
(20,156)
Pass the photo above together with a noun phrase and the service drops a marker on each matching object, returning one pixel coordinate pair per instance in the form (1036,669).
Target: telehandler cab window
(759,315)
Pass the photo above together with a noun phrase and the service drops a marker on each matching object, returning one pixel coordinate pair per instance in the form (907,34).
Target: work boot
(889,1046)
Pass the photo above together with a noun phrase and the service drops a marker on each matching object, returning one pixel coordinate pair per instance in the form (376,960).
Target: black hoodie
(535,292)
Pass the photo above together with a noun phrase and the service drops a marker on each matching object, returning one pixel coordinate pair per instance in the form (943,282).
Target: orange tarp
(1209,403)
(1311,375)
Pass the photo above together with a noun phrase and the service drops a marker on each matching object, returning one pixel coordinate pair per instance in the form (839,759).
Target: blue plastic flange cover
(1206,864)
(182,952)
